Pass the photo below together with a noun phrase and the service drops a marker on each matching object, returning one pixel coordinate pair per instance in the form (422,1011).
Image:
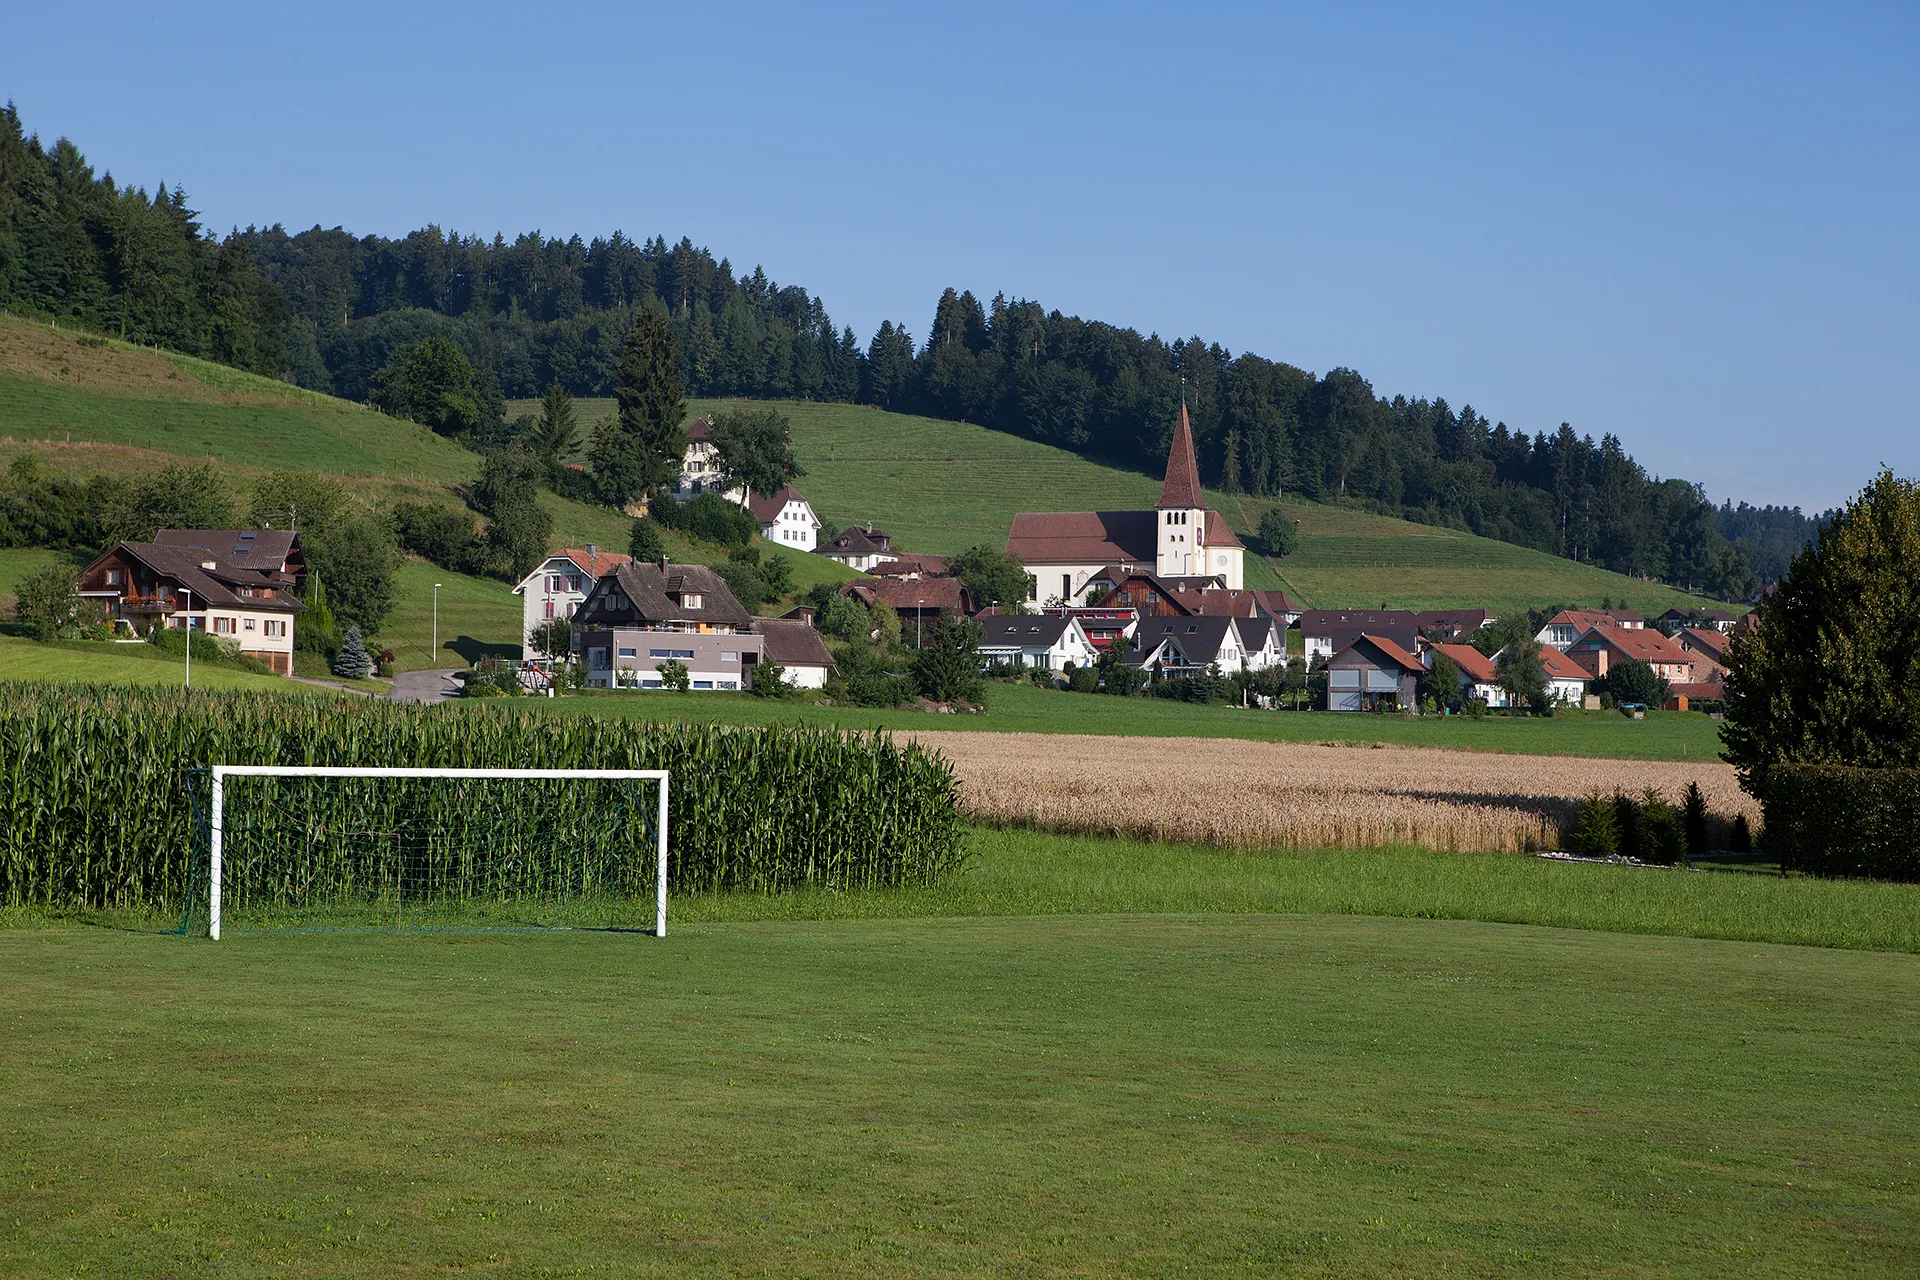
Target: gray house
(1370,672)
(638,617)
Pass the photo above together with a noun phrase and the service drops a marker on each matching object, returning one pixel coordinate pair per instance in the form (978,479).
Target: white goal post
(222,772)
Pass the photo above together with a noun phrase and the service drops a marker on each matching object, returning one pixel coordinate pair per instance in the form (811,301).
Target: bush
(646,544)
(1278,534)
(47,603)
(1832,820)
(1596,829)
(1083,679)
(1693,817)
(675,676)
(770,681)
(1632,680)
(708,516)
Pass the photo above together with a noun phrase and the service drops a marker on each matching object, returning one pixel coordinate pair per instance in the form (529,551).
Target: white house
(700,470)
(798,648)
(1568,625)
(1047,642)
(786,517)
(1479,677)
(1566,679)
(858,548)
(1064,551)
(1181,644)
(556,588)
(1325,632)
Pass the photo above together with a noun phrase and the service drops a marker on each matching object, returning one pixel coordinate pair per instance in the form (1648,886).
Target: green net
(387,852)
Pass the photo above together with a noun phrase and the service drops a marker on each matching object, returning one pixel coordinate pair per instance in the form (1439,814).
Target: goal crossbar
(221,772)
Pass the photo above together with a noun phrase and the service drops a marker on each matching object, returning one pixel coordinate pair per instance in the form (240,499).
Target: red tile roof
(1391,650)
(1085,537)
(925,593)
(1478,667)
(597,565)
(1182,485)
(1559,666)
(1643,643)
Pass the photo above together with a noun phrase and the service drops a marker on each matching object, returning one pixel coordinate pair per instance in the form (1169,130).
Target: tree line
(330,311)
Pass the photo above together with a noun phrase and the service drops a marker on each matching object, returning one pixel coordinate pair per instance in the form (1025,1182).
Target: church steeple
(1181,491)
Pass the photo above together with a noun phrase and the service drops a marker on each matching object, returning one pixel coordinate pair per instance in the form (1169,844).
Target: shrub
(708,516)
(770,681)
(1596,831)
(1693,817)
(1741,839)
(1632,680)
(674,675)
(1832,820)
(645,543)
(1083,679)
(758,809)
(47,603)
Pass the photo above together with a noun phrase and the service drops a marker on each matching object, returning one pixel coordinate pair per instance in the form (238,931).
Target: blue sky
(1695,229)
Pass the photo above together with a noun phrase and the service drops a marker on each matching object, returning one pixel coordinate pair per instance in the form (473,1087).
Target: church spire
(1182,488)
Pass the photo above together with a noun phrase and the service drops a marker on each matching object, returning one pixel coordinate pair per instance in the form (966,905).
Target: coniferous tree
(353,661)
(640,449)
(558,433)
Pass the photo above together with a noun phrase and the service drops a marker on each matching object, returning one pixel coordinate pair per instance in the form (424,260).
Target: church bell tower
(1181,514)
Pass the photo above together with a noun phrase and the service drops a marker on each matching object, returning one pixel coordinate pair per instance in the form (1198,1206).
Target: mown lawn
(1207,1092)
(23,659)
(1663,735)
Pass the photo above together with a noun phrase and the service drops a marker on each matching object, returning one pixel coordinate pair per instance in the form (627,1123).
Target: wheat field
(1276,795)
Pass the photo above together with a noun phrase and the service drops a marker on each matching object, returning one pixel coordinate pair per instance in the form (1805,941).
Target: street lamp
(919,612)
(186,625)
(436,622)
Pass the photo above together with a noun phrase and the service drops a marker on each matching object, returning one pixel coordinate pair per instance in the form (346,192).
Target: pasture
(1011,1073)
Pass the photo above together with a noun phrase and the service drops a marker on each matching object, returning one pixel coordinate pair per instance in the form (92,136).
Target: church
(1179,540)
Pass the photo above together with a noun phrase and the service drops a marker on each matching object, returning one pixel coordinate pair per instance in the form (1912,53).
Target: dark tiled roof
(654,595)
(925,593)
(1276,603)
(1182,486)
(217,587)
(1323,622)
(858,542)
(1025,629)
(767,509)
(262,550)
(792,642)
(1451,622)
(1199,639)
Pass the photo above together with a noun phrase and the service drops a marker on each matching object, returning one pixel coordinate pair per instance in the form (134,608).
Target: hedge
(1831,820)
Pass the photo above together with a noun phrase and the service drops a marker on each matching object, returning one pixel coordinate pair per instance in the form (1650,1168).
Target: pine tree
(1693,816)
(559,431)
(352,662)
(640,450)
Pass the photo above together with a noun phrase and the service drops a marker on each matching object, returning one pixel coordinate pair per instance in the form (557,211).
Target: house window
(691,601)
(246,624)
(729,657)
(597,659)
(669,653)
(1066,586)
(573,582)
(276,627)
(113,577)
(628,653)
(223,626)
(703,684)
(549,608)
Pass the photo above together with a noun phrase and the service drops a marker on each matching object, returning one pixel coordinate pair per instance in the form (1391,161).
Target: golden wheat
(1245,795)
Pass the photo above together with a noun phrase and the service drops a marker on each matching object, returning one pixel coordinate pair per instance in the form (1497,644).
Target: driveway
(423,686)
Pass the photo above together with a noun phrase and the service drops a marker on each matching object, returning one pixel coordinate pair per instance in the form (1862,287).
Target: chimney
(663,564)
(593,551)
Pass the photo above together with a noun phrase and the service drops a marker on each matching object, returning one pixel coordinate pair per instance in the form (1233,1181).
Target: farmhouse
(236,584)
(916,600)
(1208,596)
(1372,672)
(1325,632)
(1674,621)
(558,587)
(798,648)
(785,517)
(1179,538)
(858,548)
(1479,677)
(1040,641)
(641,616)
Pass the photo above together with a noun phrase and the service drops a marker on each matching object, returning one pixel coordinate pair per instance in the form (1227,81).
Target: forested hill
(327,309)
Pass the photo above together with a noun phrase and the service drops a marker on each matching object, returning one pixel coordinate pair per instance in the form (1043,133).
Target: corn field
(101,788)
(1250,795)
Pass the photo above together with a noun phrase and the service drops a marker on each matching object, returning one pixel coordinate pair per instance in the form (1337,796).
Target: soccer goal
(290,846)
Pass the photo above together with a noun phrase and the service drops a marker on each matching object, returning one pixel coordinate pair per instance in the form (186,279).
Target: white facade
(266,636)
(700,470)
(1182,550)
(792,524)
(557,587)
(1071,645)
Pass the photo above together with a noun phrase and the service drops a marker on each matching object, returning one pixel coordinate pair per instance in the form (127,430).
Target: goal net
(327,847)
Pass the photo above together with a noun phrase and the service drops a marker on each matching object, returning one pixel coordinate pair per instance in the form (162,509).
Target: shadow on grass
(471,650)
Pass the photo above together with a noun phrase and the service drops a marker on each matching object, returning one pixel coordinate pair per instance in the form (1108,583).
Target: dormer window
(691,600)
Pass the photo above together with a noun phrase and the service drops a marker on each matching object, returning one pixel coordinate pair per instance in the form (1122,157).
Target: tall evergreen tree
(640,449)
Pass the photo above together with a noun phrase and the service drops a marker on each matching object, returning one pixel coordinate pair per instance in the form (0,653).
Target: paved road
(423,686)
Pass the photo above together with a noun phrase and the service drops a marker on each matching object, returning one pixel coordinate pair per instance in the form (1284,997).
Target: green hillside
(943,486)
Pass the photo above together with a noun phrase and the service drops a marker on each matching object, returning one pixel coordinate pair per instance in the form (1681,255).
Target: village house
(1372,672)
(1566,679)
(1207,596)
(560,585)
(910,565)
(638,617)
(1179,538)
(1103,627)
(785,517)
(1674,621)
(1180,646)
(918,601)
(1569,625)
(798,648)
(1602,648)
(1450,624)
(1037,641)
(857,548)
(700,470)
(234,584)
(1324,632)
(1479,675)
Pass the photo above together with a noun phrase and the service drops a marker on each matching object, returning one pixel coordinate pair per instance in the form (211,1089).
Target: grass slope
(23,659)
(943,486)
(1663,735)
(1112,1095)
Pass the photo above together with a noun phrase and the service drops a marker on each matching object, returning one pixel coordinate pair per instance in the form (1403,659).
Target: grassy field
(822,1086)
(944,486)
(22,659)
(17,562)
(1663,735)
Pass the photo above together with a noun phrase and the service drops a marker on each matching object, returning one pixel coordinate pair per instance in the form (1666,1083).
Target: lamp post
(186,625)
(919,612)
(436,622)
